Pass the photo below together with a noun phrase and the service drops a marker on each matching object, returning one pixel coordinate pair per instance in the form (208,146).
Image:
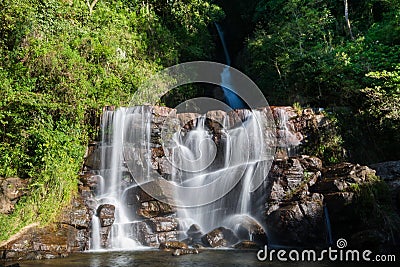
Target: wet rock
(144,233)
(154,209)
(168,245)
(147,206)
(163,224)
(247,228)
(105,237)
(105,212)
(154,239)
(194,236)
(194,231)
(297,223)
(246,244)
(180,252)
(220,237)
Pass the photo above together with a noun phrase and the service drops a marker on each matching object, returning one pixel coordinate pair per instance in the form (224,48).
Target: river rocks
(41,243)
(11,189)
(194,236)
(247,228)
(168,245)
(194,231)
(220,237)
(152,232)
(105,212)
(162,224)
(180,252)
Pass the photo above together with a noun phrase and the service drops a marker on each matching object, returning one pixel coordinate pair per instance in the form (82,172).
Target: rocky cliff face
(302,197)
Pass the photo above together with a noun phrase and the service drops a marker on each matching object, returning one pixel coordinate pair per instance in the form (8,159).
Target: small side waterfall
(287,138)
(231,98)
(113,178)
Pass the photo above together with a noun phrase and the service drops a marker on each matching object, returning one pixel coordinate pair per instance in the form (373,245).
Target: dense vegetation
(61,61)
(307,52)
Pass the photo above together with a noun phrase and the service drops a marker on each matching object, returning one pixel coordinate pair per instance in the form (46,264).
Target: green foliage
(327,142)
(300,51)
(374,205)
(60,63)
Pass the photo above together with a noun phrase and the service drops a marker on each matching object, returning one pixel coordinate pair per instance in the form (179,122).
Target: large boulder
(220,237)
(156,205)
(105,212)
(247,228)
(297,223)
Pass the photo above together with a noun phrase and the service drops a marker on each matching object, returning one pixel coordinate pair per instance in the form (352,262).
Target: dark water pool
(152,258)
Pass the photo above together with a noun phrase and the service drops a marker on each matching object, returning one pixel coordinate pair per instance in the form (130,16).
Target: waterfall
(112,179)
(241,157)
(95,238)
(198,160)
(231,98)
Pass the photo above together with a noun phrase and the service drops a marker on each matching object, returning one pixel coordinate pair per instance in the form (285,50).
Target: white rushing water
(198,162)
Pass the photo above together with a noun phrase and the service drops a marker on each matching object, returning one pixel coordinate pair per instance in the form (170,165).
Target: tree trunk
(346,17)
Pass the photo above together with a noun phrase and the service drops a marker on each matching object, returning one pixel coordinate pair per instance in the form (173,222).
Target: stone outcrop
(304,196)
(11,189)
(68,234)
(59,239)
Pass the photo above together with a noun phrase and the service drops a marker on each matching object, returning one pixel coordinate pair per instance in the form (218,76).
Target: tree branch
(91,5)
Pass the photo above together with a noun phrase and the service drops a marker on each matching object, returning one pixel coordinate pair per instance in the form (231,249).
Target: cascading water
(231,98)
(113,178)
(200,161)
(240,157)
(287,138)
